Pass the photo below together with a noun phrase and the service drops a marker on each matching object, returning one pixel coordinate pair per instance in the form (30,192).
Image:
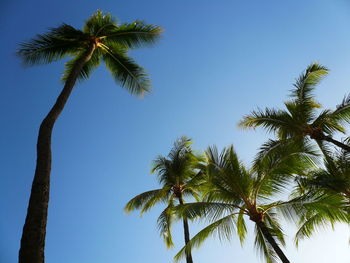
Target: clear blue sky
(216,61)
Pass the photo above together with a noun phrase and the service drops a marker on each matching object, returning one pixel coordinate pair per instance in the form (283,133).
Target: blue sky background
(217,61)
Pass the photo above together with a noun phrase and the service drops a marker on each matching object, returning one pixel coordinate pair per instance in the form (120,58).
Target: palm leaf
(164,222)
(307,81)
(264,247)
(223,228)
(87,69)
(54,45)
(342,112)
(241,227)
(99,23)
(146,200)
(133,35)
(210,211)
(272,120)
(125,71)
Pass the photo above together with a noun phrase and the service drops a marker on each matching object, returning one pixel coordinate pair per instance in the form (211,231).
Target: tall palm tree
(101,38)
(300,120)
(179,178)
(233,193)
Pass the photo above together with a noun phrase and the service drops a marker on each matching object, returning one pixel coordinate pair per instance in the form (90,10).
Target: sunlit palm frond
(227,174)
(329,122)
(241,226)
(342,112)
(146,200)
(307,81)
(134,35)
(285,156)
(209,211)
(278,162)
(223,228)
(272,120)
(125,71)
(181,148)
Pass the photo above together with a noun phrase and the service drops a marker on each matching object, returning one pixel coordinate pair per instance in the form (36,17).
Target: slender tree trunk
(34,229)
(187,235)
(272,242)
(338,143)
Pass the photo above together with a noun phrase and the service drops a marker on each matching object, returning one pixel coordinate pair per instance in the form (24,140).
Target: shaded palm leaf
(54,45)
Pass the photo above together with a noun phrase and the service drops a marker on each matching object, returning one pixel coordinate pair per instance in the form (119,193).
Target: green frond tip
(146,200)
(308,80)
(99,23)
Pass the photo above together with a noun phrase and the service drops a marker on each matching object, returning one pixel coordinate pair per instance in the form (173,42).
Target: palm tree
(234,192)
(300,120)
(102,38)
(179,179)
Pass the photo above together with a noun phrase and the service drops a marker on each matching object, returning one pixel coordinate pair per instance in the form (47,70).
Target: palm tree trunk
(187,235)
(338,143)
(272,241)
(34,229)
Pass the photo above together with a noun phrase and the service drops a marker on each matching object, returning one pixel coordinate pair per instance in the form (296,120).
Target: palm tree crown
(233,192)
(109,42)
(300,119)
(179,178)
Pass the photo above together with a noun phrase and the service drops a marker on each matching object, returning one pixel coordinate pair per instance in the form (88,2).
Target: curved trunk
(34,229)
(338,143)
(272,241)
(187,235)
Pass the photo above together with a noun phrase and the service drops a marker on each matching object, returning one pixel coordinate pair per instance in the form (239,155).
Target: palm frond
(330,122)
(263,246)
(87,69)
(133,35)
(282,154)
(274,226)
(241,227)
(99,23)
(210,211)
(164,222)
(272,120)
(307,81)
(342,112)
(223,228)
(146,200)
(321,215)
(57,43)
(125,71)
(330,206)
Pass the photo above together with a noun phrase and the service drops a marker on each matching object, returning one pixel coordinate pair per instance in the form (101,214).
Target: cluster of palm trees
(223,191)
(217,187)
